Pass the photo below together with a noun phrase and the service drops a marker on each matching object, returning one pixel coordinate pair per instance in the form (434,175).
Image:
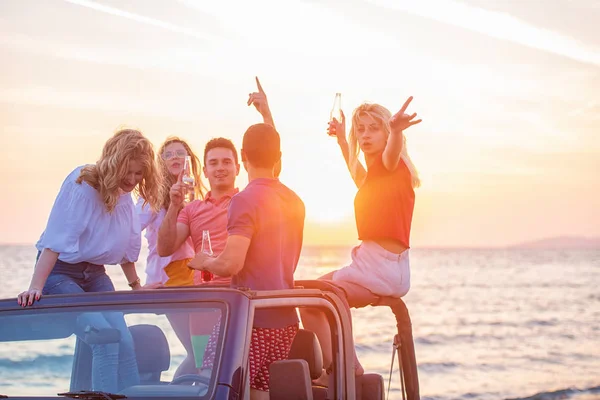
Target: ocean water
(487,323)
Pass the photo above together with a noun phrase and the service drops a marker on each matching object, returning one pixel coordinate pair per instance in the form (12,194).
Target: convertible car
(45,349)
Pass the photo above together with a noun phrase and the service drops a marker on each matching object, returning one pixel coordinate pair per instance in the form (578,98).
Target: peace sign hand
(401,121)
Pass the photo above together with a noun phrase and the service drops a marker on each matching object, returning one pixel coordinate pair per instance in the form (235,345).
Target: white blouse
(81,229)
(155,265)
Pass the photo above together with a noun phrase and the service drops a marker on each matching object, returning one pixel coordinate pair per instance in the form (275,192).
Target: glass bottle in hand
(206,248)
(188,179)
(336,111)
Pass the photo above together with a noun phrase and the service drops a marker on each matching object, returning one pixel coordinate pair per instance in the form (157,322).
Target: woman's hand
(177,192)
(338,128)
(400,121)
(42,269)
(155,285)
(29,296)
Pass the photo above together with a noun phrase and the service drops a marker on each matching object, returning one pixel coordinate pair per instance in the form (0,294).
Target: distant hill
(561,242)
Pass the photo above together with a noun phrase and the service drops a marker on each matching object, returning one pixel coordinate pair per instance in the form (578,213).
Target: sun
(327,201)
(327,213)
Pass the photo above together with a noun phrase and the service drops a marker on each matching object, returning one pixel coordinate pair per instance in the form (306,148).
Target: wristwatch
(134,283)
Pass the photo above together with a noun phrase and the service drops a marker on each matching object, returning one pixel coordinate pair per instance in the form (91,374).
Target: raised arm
(338,129)
(172,234)
(259,100)
(398,123)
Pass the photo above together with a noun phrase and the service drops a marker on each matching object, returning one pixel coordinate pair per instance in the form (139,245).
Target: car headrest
(151,348)
(306,347)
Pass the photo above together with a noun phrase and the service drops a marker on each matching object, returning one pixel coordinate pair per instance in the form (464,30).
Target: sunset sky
(508,149)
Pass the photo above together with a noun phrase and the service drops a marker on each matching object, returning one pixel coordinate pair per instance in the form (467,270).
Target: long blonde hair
(167,178)
(106,175)
(382,115)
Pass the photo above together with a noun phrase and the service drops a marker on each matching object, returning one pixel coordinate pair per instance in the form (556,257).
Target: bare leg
(316,321)
(181,326)
(256,394)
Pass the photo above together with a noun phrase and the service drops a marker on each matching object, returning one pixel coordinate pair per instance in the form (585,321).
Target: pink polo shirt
(208,214)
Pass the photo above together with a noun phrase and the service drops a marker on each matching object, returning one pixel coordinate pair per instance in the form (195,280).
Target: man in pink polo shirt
(220,168)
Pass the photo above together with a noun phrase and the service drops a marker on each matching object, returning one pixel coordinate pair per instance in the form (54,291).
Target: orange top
(384,204)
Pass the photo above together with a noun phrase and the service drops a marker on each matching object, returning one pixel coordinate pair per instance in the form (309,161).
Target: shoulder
(243,197)
(403,172)
(244,203)
(400,168)
(291,199)
(195,205)
(190,210)
(73,175)
(293,194)
(80,190)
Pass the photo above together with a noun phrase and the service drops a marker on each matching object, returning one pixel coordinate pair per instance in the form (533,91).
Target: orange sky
(508,148)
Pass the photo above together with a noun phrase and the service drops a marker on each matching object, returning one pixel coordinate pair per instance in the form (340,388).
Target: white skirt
(382,272)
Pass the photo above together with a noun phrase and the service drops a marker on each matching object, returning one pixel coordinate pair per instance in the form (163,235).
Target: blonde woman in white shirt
(93,222)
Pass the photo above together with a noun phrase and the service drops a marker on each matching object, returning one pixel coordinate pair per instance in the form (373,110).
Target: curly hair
(383,115)
(168,180)
(106,175)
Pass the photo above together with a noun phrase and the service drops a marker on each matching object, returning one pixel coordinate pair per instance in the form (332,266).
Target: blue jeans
(114,365)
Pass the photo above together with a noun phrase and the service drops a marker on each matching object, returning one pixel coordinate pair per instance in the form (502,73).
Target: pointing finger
(259,86)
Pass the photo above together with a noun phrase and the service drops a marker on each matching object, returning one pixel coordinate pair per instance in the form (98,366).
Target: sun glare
(326,200)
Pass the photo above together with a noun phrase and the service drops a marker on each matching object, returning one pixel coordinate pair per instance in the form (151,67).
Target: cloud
(496,24)
(591,110)
(143,19)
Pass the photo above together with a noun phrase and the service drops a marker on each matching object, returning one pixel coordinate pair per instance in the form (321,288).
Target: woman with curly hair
(93,222)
